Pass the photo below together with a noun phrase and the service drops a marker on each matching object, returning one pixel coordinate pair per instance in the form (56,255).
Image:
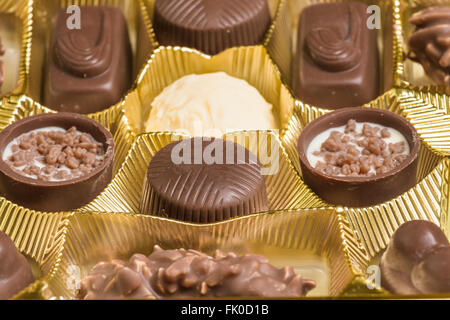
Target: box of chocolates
(179,149)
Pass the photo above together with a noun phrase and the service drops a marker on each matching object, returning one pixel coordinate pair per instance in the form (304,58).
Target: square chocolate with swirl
(336,63)
(88,69)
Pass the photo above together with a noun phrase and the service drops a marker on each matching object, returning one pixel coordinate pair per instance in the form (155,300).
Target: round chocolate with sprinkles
(55,162)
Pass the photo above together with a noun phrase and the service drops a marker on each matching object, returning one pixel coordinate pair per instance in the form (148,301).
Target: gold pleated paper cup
(34,233)
(318,243)
(15,32)
(14,108)
(427,200)
(411,75)
(388,51)
(45,12)
(285,189)
(277,39)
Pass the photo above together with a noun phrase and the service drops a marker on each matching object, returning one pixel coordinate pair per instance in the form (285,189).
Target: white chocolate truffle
(210,105)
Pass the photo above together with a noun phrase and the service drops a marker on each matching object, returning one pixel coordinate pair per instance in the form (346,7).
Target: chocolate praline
(15,271)
(211,26)
(336,63)
(55,195)
(360,191)
(184,183)
(88,69)
(417,260)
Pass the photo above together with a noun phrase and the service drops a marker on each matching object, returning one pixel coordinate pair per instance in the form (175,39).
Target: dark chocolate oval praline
(360,191)
(188,186)
(211,26)
(55,195)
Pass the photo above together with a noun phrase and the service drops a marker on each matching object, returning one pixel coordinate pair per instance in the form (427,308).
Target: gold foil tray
(15,32)
(284,187)
(298,238)
(427,200)
(34,234)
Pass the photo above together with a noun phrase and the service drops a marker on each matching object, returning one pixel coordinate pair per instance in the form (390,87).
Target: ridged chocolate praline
(15,271)
(211,26)
(55,195)
(417,260)
(360,191)
(192,180)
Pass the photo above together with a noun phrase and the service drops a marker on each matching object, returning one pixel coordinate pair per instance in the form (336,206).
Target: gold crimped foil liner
(387,48)
(285,188)
(90,238)
(18,107)
(427,200)
(430,115)
(33,233)
(277,39)
(411,74)
(21,9)
(168,64)
(45,12)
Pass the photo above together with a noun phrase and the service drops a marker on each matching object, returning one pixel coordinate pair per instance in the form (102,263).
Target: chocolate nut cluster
(55,155)
(363,153)
(189,273)
(429,44)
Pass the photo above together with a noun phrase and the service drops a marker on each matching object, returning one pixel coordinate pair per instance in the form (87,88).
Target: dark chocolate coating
(55,195)
(417,260)
(200,192)
(429,44)
(15,271)
(360,191)
(211,26)
(192,274)
(89,69)
(336,64)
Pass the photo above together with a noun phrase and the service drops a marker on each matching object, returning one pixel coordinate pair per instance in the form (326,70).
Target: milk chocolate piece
(204,180)
(336,63)
(360,191)
(429,44)
(15,271)
(88,69)
(192,274)
(417,260)
(211,26)
(55,195)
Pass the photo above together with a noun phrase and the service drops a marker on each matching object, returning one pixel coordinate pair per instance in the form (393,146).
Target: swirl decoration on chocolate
(333,51)
(429,44)
(188,274)
(79,56)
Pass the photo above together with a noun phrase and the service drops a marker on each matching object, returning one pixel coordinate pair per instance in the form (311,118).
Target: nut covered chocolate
(189,274)
(429,44)
(417,260)
(15,271)
(204,180)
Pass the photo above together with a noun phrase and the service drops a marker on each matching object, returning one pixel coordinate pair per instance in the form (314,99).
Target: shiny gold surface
(298,225)
(90,238)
